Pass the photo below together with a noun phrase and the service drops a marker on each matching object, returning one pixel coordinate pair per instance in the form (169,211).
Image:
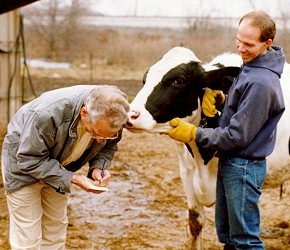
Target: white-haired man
(49,139)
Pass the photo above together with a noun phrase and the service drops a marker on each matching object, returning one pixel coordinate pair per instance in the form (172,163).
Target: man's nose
(241,47)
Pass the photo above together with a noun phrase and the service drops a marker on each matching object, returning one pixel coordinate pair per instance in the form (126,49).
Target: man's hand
(98,180)
(209,100)
(102,176)
(182,131)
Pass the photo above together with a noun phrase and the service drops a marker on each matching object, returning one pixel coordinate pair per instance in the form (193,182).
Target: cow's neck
(195,117)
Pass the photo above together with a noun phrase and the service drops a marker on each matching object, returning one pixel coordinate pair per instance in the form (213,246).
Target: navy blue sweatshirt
(255,104)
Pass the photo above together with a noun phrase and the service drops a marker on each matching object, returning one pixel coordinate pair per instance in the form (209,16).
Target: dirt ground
(145,207)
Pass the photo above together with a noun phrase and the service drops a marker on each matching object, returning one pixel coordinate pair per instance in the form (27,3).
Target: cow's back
(279,161)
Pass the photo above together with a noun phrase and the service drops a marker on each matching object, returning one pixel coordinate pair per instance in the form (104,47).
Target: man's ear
(269,43)
(84,111)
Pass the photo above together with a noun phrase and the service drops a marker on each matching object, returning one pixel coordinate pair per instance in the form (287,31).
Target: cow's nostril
(129,124)
(134,115)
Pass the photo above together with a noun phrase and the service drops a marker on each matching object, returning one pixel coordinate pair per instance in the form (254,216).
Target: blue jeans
(237,216)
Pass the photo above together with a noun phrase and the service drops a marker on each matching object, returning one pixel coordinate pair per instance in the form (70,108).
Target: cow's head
(173,87)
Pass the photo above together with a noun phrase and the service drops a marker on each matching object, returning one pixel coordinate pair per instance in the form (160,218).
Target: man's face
(248,41)
(100,131)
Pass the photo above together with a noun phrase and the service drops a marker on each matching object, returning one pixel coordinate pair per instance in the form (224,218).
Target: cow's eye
(175,83)
(178,82)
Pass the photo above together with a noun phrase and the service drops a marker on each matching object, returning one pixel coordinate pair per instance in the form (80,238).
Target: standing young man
(246,133)
(48,140)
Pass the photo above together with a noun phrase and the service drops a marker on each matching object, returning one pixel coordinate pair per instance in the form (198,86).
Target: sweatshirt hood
(274,60)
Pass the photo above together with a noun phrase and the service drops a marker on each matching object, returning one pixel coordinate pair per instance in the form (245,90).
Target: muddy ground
(145,207)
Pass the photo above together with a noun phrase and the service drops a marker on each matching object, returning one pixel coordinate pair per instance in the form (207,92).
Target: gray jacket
(41,134)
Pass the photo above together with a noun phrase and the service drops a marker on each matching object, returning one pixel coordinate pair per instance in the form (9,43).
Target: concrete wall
(10,84)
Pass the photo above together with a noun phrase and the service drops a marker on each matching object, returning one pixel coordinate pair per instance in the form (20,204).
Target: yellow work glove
(209,101)
(182,131)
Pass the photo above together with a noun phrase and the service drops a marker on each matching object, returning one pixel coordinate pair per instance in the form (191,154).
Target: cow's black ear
(220,78)
(145,76)
(231,71)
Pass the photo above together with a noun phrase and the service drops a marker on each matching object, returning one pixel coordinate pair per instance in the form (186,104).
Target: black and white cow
(173,87)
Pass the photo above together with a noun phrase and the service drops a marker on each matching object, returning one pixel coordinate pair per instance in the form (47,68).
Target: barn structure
(11,91)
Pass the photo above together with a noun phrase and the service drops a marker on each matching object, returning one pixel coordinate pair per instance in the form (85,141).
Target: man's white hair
(107,101)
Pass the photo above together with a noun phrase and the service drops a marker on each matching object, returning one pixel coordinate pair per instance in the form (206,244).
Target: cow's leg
(196,216)
(196,223)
